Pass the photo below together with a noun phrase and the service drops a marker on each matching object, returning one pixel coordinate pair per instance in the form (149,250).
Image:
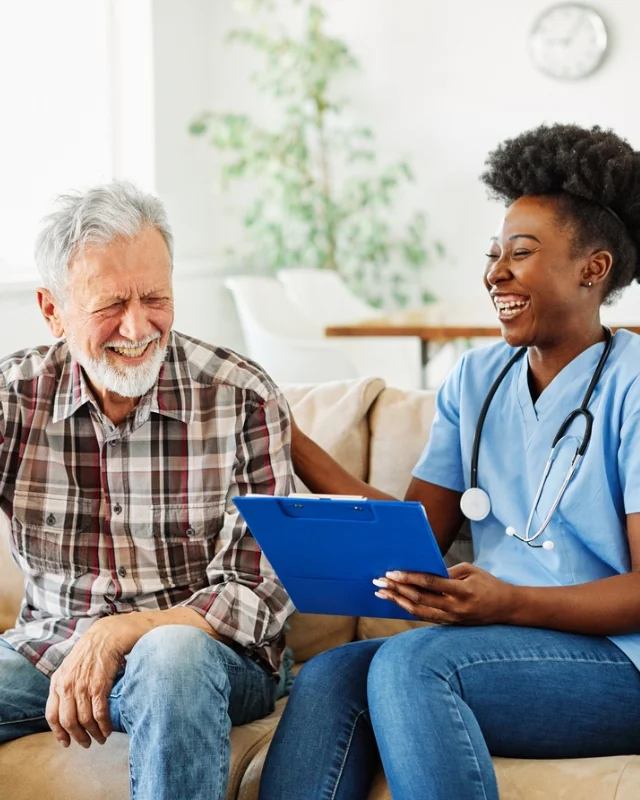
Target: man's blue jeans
(432,704)
(179,696)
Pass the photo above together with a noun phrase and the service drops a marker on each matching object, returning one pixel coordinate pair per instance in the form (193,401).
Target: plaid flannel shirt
(111,520)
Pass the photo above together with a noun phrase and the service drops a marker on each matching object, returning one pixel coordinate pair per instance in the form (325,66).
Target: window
(68,70)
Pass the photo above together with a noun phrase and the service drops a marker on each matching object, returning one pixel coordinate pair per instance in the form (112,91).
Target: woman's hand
(469,596)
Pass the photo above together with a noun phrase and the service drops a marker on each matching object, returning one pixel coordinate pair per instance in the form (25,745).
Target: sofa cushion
(372,628)
(310,634)
(11,582)
(400,423)
(38,768)
(334,414)
(613,778)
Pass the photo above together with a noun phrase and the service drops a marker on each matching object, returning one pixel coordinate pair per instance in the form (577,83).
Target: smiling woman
(546,427)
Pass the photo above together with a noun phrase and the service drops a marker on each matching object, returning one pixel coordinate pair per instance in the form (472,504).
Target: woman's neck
(547,361)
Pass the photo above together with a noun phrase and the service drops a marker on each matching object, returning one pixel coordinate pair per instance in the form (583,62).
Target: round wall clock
(568,40)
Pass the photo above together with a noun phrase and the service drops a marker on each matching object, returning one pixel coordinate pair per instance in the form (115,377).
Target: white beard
(125,381)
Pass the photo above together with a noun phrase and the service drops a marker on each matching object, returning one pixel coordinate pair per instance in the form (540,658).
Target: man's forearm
(598,608)
(129,628)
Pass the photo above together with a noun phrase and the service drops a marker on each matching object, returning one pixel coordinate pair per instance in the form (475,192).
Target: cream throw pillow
(334,414)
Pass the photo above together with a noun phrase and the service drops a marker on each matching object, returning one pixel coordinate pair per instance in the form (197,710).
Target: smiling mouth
(509,309)
(131,352)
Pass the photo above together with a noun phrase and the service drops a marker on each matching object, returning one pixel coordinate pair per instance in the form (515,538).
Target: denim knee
(319,675)
(395,666)
(173,652)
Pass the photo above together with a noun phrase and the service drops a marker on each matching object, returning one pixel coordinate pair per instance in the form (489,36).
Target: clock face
(568,41)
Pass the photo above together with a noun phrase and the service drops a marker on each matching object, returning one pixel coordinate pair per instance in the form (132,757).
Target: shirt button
(122,572)
(51,520)
(113,442)
(190,531)
(117,508)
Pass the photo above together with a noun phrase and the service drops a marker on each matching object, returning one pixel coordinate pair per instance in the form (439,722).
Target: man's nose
(134,324)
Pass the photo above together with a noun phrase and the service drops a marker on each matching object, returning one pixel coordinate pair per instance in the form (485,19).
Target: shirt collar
(72,391)
(172,395)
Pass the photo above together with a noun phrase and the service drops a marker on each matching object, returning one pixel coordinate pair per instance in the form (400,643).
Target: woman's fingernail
(381,595)
(380,582)
(393,575)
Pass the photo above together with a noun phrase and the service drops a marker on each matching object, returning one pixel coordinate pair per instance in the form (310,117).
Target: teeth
(130,352)
(509,308)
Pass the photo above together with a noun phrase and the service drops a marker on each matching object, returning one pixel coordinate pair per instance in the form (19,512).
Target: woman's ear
(51,312)
(597,268)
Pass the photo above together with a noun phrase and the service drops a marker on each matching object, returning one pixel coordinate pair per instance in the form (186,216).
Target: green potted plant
(322,200)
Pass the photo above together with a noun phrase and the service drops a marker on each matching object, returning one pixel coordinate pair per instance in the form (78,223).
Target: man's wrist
(124,630)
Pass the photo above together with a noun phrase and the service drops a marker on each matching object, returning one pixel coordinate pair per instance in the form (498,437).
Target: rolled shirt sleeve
(245,600)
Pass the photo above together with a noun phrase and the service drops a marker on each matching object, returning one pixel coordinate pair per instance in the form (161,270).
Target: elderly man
(148,606)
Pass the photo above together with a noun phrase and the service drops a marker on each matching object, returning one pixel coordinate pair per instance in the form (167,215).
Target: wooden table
(417,325)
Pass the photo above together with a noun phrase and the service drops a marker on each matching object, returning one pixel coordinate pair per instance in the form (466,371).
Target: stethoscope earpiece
(547,545)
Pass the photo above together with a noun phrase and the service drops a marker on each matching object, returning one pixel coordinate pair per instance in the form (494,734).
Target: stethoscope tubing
(582,411)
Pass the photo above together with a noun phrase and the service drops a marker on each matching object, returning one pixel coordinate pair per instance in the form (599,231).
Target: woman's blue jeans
(434,704)
(177,699)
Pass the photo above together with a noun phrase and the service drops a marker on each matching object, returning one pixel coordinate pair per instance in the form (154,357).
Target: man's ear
(597,268)
(51,312)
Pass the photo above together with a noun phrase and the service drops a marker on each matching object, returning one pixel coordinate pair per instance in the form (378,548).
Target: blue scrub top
(588,528)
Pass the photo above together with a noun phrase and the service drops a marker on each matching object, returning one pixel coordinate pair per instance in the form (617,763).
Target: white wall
(443,82)
(154,68)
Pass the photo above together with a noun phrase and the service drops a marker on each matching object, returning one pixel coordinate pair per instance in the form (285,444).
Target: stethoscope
(475,502)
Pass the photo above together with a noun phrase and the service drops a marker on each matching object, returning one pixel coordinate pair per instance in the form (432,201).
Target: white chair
(323,296)
(280,338)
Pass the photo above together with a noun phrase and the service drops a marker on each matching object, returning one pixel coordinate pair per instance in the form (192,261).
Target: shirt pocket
(186,538)
(48,533)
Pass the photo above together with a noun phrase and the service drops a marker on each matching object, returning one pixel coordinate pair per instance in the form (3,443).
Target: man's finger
(86,719)
(68,716)
(101,714)
(51,715)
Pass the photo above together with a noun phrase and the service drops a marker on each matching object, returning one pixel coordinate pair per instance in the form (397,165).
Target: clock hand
(566,40)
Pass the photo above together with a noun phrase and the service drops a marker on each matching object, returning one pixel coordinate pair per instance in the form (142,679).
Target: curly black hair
(591,173)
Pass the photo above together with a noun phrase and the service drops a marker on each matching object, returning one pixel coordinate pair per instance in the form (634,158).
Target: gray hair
(98,216)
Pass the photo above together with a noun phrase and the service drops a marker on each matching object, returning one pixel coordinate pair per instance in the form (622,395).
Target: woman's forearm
(323,475)
(598,608)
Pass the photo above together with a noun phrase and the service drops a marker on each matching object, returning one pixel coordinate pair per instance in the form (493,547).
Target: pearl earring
(589,284)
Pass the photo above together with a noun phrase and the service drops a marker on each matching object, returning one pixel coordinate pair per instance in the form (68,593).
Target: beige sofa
(377,433)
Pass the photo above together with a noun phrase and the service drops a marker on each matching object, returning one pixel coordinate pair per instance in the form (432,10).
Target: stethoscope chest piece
(475,504)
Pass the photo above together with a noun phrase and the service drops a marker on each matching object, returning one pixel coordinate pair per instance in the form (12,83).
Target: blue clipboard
(326,552)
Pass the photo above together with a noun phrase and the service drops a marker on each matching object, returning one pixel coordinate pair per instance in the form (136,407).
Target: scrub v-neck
(576,374)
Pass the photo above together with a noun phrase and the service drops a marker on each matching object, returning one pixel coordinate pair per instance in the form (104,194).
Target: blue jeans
(433,704)
(177,699)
